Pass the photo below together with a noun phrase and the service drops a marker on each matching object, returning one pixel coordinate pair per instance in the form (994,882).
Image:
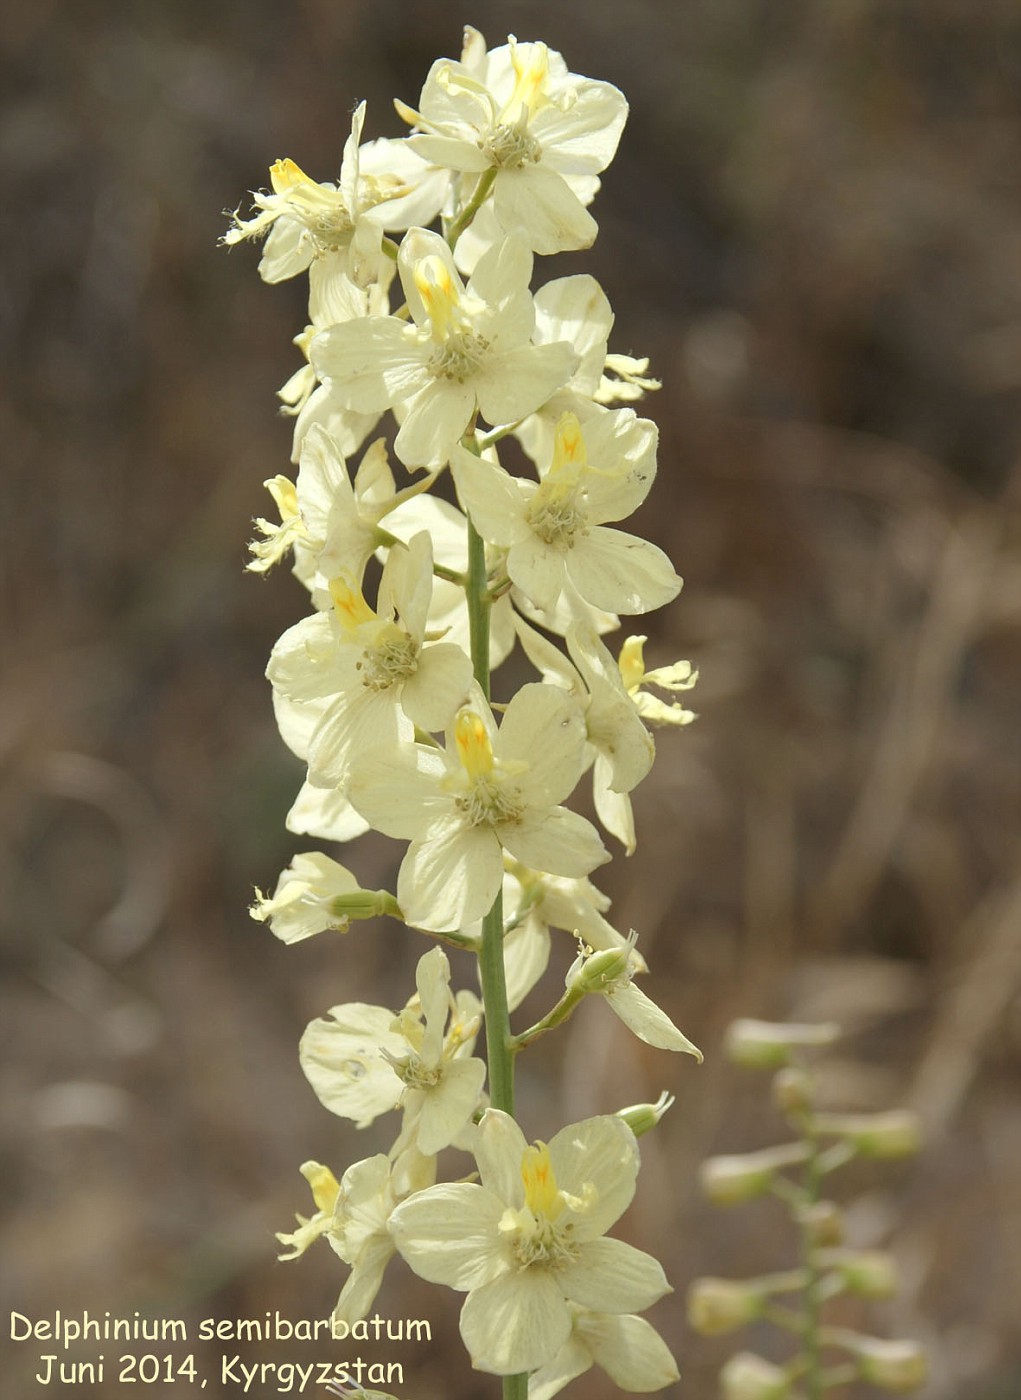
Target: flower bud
(643,1117)
(770,1044)
(792,1090)
(824,1222)
(897,1366)
(729,1181)
(597,972)
(718,1305)
(750,1377)
(897,1133)
(868,1273)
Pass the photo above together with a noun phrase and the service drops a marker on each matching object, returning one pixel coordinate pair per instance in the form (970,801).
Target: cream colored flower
(359,1231)
(467,350)
(555,531)
(489,791)
(371,676)
(363,1061)
(518,113)
(528,1241)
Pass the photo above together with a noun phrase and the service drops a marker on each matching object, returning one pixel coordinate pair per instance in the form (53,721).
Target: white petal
(370,364)
(326,814)
(630,1351)
(447,1107)
(648,1021)
(515,1323)
(526,951)
(538,570)
(611,1276)
(438,688)
(544,727)
(450,1234)
(437,417)
(494,499)
(342,1061)
(399,793)
(620,572)
(572,1360)
(622,453)
(359,1293)
(353,724)
(515,382)
(539,203)
(451,877)
(583,139)
(559,841)
(613,809)
(601,1152)
(499,1147)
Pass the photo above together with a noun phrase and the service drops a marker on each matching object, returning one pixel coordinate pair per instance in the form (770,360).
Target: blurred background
(812,227)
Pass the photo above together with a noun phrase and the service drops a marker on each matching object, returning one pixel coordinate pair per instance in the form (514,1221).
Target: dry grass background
(813,228)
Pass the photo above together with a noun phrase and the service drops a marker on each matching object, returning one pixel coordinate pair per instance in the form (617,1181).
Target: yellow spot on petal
(631,662)
(285,494)
(569,451)
(541,1194)
(325,1187)
(285,175)
(349,605)
(440,295)
(473,746)
(531,69)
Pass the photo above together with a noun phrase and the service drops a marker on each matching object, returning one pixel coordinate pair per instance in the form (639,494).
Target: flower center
(538,1233)
(511,147)
(392,657)
(483,792)
(459,357)
(554,512)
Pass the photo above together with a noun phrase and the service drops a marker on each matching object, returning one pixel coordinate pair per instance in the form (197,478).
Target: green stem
(485,184)
(499,1044)
(478,607)
(814,1378)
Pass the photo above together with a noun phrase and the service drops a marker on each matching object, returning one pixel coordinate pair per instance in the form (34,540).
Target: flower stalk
(383,689)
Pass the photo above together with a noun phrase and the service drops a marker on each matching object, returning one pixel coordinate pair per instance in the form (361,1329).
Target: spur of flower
(363,1060)
(372,675)
(555,530)
(489,791)
(467,350)
(537,134)
(528,1241)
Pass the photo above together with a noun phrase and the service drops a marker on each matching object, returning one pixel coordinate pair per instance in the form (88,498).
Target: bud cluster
(795,1173)
(466,450)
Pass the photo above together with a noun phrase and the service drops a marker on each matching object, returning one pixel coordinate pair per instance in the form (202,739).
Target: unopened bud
(598,972)
(869,1273)
(897,1366)
(750,1377)
(770,1044)
(792,1090)
(718,1305)
(729,1181)
(365,904)
(897,1133)
(643,1117)
(824,1223)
